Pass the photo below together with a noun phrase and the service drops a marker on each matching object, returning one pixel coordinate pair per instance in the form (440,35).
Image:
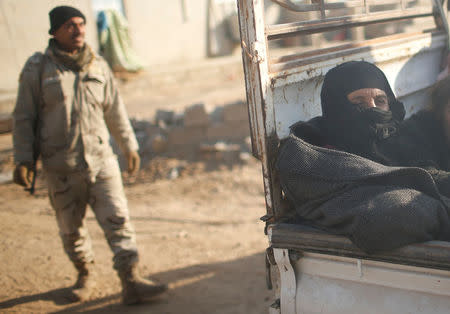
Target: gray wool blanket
(378,207)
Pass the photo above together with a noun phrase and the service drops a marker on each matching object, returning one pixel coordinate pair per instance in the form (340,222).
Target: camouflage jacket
(74,111)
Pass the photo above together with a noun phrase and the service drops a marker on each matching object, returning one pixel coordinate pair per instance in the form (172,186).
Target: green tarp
(115,44)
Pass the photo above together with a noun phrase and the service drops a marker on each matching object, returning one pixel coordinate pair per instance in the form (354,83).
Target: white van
(311,271)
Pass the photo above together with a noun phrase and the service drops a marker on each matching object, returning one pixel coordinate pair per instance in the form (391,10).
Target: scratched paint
(286,89)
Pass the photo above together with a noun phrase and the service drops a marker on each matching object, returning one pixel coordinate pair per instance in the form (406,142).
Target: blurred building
(24,29)
(161,32)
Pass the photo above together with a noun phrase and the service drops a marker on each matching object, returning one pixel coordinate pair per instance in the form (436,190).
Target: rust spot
(284,63)
(272,82)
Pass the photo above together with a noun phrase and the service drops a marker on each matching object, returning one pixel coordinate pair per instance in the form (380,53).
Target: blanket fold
(376,206)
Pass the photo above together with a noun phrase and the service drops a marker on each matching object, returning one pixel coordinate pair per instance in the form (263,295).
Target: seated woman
(440,113)
(441,106)
(361,115)
(330,185)
(359,111)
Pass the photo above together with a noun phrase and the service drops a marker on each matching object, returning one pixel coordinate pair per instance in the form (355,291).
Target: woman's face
(369,98)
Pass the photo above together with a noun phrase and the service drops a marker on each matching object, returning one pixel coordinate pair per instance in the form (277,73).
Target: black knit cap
(59,15)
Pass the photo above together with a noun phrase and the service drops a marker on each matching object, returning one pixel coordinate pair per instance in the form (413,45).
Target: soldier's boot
(136,289)
(85,284)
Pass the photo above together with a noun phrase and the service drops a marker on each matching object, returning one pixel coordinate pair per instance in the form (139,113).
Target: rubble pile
(173,142)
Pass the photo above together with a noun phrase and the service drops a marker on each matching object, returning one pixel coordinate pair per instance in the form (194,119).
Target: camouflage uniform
(75,113)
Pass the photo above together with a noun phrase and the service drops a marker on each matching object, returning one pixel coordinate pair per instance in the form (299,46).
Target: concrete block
(232,130)
(6,123)
(219,147)
(164,115)
(235,112)
(186,135)
(216,116)
(220,151)
(159,144)
(152,130)
(7,102)
(196,115)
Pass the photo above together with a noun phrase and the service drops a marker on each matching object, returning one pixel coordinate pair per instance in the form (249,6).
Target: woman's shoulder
(423,127)
(420,121)
(420,138)
(310,131)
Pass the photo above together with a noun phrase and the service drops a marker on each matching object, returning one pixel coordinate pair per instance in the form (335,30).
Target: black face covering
(349,127)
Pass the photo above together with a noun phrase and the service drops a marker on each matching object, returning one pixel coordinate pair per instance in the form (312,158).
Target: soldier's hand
(134,162)
(23,174)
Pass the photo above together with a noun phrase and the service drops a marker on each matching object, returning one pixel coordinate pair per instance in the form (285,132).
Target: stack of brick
(193,129)
(233,126)
(230,123)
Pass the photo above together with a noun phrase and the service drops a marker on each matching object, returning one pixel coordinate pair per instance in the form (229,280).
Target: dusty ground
(199,232)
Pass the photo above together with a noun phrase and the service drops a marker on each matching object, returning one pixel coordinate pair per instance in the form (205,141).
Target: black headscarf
(349,127)
(348,77)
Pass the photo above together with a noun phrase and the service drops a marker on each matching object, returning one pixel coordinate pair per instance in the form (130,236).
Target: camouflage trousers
(69,196)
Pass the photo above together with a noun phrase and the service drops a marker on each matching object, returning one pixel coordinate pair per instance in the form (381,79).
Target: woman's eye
(381,101)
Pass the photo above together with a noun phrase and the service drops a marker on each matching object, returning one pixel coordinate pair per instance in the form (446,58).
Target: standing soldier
(67,101)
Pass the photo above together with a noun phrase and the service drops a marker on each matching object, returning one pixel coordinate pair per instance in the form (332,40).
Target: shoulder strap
(42,64)
(38,104)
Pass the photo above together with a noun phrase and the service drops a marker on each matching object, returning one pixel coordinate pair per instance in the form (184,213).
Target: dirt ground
(199,232)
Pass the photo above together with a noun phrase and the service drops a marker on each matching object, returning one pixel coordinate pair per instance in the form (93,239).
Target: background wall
(24,26)
(173,32)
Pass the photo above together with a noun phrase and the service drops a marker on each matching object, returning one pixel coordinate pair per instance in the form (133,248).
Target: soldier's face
(70,36)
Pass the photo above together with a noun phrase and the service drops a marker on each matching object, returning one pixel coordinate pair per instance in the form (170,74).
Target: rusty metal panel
(255,68)
(285,65)
(433,254)
(262,122)
(320,6)
(318,26)
(284,90)
(411,69)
